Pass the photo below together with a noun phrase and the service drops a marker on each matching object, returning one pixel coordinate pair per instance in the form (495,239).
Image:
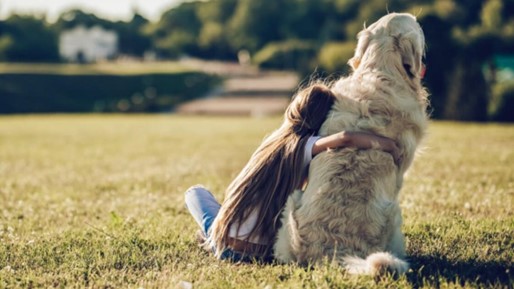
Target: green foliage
(311,20)
(177,31)
(334,56)
(219,11)
(467,102)
(97,201)
(76,17)
(212,33)
(502,104)
(131,36)
(292,54)
(367,12)
(213,40)
(440,60)
(256,23)
(81,91)
(175,44)
(461,35)
(28,39)
(6,42)
(491,14)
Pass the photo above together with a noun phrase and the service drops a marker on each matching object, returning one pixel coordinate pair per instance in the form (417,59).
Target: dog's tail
(376,264)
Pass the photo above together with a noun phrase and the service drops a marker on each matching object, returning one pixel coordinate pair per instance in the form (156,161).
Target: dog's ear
(364,38)
(410,54)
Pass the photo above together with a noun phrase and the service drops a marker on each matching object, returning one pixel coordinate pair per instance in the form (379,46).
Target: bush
(502,104)
(293,54)
(334,56)
(53,92)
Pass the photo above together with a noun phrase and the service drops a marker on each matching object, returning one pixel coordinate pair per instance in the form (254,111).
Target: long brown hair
(274,170)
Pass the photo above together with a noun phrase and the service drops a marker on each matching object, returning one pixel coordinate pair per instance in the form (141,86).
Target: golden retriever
(349,211)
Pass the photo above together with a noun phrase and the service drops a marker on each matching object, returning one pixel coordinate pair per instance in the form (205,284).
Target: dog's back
(349,211)
(349,208)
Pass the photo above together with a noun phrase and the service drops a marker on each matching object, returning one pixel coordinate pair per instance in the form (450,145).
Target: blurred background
(233,56)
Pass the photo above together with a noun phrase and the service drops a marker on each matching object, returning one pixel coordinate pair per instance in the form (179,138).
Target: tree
(73,18)
(177,31)
(256,23)
(132,39)
(28,39)
(441,59)
(212,40)
(491,14)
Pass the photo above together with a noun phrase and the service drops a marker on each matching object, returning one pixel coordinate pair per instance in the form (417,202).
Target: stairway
(245,91)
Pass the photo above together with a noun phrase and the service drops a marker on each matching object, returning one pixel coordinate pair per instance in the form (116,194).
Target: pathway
(245,91)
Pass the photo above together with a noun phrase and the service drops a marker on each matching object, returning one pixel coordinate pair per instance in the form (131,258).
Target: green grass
(128,68)
(97,201)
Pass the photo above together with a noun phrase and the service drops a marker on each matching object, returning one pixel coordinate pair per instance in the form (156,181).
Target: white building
(82,44)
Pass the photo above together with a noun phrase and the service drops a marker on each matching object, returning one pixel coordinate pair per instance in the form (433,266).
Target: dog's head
(394,43)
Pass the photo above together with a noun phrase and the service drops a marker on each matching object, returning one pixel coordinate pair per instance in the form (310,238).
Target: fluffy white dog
(349,211)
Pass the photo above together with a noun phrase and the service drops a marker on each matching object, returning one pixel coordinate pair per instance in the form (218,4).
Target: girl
(244,227)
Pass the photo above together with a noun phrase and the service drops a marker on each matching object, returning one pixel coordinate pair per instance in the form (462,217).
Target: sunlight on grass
(121,68)
(94,201)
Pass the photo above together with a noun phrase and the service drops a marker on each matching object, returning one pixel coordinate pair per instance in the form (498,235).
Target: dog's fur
(349,211)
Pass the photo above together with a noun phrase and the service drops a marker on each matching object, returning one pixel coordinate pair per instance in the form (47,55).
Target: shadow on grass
(431,270)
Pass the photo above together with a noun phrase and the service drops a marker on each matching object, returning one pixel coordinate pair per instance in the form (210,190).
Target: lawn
(97,201)
(121,68)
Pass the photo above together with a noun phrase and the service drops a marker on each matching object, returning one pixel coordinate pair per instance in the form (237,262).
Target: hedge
(146,92)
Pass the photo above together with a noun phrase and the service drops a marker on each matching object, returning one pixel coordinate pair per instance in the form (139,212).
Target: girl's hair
(273,171)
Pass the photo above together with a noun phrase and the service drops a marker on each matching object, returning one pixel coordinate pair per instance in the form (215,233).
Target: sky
(110,9)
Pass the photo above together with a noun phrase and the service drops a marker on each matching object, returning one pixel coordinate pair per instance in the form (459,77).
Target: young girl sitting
(243,228)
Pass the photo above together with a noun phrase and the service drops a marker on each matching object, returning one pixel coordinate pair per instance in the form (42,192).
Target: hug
(325,184)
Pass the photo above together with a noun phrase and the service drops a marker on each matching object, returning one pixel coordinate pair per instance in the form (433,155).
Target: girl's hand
(360,140)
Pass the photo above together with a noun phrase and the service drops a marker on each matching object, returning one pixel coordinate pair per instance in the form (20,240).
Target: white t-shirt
(250,223)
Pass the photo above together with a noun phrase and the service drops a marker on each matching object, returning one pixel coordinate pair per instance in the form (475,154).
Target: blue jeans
(204,208)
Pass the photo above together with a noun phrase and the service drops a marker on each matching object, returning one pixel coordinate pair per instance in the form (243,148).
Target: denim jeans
(204,208)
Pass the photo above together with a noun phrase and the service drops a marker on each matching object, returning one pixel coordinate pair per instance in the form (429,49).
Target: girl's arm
(360,140)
